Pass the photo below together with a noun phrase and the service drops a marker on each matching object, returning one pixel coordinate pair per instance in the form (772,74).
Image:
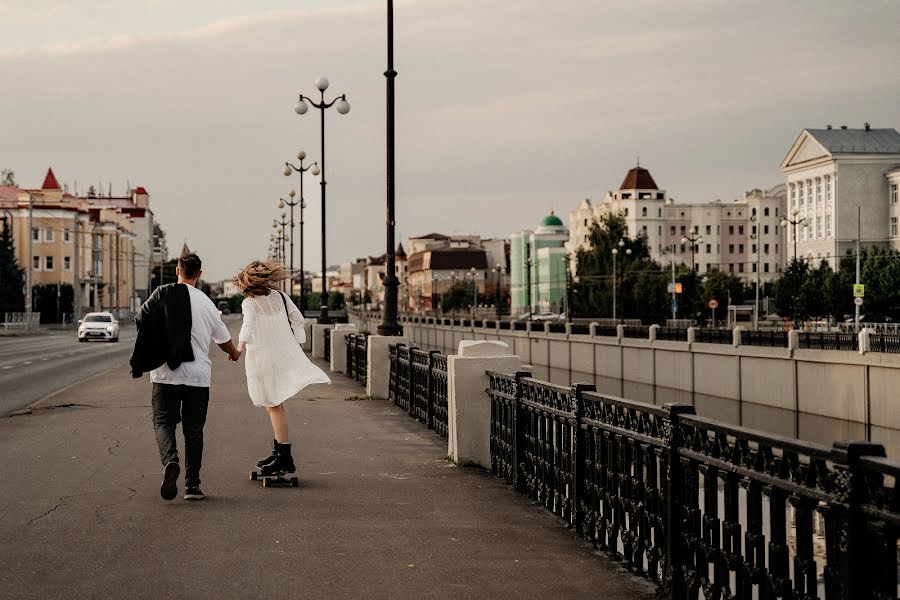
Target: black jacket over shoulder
(163,330)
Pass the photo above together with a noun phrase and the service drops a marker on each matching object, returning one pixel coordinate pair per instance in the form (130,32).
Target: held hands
(234,356)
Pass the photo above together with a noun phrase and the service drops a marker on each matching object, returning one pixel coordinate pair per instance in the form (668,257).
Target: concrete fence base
(378,376)
(318,339)
(339,346)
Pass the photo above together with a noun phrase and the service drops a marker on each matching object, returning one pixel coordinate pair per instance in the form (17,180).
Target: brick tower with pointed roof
(50,182)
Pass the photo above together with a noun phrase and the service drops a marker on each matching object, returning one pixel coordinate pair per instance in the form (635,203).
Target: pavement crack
(37,518)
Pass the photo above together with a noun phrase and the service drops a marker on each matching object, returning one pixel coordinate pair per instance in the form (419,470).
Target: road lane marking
(27,362)
(8,367)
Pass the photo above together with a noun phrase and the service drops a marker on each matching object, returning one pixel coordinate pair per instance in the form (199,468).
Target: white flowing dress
(277,368)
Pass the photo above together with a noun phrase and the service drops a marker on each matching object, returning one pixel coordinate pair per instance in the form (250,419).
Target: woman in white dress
(277,368)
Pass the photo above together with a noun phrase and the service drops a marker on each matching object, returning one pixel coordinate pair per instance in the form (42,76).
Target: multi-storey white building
(840,182)
(741,237)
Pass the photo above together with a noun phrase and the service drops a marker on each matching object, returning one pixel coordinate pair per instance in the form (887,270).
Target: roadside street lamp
(793,223)
(755,238)
(283,237)
(529,262)
(499,271)
(288,169)
(343,107)
(693,238)
(615,253)
(474,292)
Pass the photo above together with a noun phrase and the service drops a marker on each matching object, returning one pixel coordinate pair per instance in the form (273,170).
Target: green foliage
(457,297)
(234,302)
(12,278)
(53,301)
(168,274)
(786,291)
(336,301)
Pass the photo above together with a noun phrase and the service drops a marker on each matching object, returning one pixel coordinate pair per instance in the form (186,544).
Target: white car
(98,326)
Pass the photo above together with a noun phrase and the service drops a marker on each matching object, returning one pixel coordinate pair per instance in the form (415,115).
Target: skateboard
(274,479)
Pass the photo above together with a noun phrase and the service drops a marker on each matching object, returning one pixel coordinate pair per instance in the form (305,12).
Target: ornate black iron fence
(636,331)
(714,336)
(418,385)
(821,340)
(672,334)
(606,330)
(772,339)
(883,342)
(696,505)
(357,356)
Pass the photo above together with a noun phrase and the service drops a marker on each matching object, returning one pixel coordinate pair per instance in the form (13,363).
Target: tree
(12,278)
(168,274)
(7,177)
(724,288)
(786,290)
(53,301)
(457,297)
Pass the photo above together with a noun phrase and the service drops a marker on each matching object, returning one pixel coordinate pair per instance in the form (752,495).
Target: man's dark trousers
(186,404)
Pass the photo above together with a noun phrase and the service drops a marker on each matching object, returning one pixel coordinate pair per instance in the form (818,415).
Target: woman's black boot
(283,463)
(271,457)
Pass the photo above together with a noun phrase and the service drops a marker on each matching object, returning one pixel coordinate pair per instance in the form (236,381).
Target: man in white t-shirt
(182,394)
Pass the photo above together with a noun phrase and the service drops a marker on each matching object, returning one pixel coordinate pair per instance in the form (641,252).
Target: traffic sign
(713,304)
(859,290)
(858,301)
(674,287)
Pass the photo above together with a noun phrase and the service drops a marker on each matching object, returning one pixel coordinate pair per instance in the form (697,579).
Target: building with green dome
(538,268)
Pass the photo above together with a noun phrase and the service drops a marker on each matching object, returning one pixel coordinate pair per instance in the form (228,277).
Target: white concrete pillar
(468,408)
(318,340)
(793,340)
(736,337)
(864,340)
(307,330)
(339,345)
(378,356)
(652,334)
(691,335)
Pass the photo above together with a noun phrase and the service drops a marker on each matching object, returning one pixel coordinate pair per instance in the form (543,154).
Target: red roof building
(50,182)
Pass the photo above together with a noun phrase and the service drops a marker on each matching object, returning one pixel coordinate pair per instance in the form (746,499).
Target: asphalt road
(33,367)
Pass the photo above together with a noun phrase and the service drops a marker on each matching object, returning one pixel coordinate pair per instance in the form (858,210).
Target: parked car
(98,326)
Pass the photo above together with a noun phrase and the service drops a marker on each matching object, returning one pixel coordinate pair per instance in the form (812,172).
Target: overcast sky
(505,109)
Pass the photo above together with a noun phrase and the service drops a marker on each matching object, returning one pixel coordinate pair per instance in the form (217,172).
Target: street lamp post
(615,253)
(343,107)
(288,169)
(793,223)
(499,271)
(755,238)
(693,238)
(529,263)
(283,237)
(474,292)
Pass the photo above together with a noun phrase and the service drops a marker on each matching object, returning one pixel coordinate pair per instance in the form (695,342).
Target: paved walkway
(380,513)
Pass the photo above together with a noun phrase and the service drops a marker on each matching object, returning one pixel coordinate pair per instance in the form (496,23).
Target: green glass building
(538,267)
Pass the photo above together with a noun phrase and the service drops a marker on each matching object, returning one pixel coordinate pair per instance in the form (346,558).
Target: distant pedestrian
(277,368)
(175,327)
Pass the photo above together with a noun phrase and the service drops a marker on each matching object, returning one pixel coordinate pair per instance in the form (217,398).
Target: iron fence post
(349,339)
(675,508)
(429,407)
(578,456)
(518,434)
(850,537)
(411,387)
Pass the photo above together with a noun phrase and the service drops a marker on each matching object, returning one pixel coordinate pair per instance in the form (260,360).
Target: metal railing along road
(883,342)
(672,334)
(771,339)
(714,336)
(357,356)
(694,504)
(828,341)
(418,385)
(328,345)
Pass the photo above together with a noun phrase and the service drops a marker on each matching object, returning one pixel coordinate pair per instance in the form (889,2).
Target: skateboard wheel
(267,482)
(295,482)
(253,476)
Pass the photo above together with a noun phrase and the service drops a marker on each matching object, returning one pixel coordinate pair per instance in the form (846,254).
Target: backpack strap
(284,301)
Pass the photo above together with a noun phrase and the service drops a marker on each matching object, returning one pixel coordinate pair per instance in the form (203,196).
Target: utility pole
(858,235)
(30,259)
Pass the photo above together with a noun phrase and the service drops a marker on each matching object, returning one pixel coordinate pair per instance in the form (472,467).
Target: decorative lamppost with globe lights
(288,169)
(343,107)
(693,238)
(282,237)
(615,253)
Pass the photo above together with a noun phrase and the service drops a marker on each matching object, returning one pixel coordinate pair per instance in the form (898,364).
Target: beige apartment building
(100,245)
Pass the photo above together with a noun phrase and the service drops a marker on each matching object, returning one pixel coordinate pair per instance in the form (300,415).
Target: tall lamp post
(529,263)
(615,253)
(283,237)
(288,169)
(343,107)
(793,223)
(389,324)
(499,271)
(474,292)
(693,238)
(755,238)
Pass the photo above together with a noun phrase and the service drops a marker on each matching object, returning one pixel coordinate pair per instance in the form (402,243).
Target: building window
(644,212)
(740,248)
(585,222)
(894,226)
(48,235)
(626,197)
(659,230)
(67,263)
(672,230)
(731,230)
(754,267)
(793,195)
(682,230)
(644,230)
(766,211)
(731,267)
(776,211)
(893,193)
(682,248)
(765,230)
(708,229)
(660,212)
(765,248)
(48,263)
(730,248)
(36,263)
(626,212)
(766,267)
(776,248)
(753,249)
(800,185)
(36,234)
(709,248)
(776,230)
(682,214)
(67,235)
(740,230)
(753,230)
(740,267)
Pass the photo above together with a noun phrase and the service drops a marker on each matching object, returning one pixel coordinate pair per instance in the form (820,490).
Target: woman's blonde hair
(259,278)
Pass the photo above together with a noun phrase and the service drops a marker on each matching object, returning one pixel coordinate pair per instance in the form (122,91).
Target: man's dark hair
(190,265)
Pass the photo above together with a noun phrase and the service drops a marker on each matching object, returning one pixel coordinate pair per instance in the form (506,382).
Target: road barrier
(418,385)
(357,357)
(696,505)
(20,321)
